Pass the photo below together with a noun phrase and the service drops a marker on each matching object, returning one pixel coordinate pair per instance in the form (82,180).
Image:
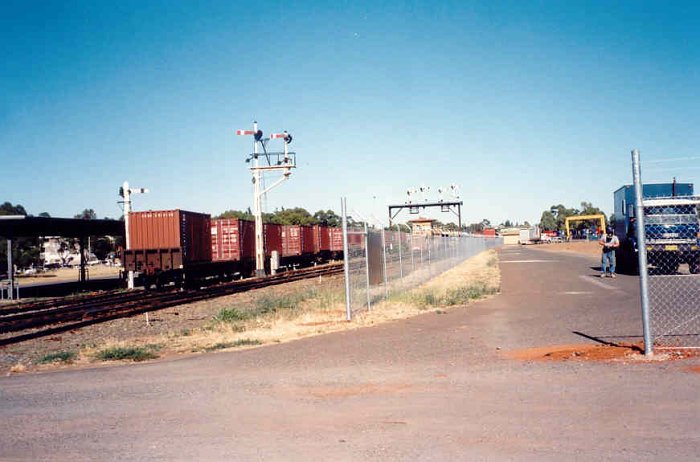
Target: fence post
(369,297)
(398,226)
(642,252)
(413,264)
(346,258)
(430,244)
(386,286)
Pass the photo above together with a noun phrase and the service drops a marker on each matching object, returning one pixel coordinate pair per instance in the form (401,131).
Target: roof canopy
(12,226)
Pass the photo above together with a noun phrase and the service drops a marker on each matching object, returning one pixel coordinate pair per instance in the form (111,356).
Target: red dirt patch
(584,352)
(588,352)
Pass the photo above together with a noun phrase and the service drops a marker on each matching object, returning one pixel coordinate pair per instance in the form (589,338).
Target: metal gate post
(642,252)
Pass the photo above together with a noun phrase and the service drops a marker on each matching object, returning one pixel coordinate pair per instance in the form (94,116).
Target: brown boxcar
(324,238)
(355,239)
(232,239)
(172,229)
(335,239)
(310,240)
(272,235)
(291,241)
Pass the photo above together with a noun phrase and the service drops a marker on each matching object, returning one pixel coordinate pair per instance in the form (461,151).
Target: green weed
(132,353)
(231,315)
(237,343)
(59,356)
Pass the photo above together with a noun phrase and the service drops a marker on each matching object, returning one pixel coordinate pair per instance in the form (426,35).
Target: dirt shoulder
(272,315)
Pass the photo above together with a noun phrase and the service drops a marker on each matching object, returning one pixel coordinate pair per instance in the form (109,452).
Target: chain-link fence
(673,262)
(664,219)
(383,261)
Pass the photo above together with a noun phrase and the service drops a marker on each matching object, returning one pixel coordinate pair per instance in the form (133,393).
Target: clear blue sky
(524,104)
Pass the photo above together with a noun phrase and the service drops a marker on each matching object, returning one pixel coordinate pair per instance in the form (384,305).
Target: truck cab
(671,227)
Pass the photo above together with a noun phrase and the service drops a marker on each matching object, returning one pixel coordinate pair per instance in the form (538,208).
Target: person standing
(609,242)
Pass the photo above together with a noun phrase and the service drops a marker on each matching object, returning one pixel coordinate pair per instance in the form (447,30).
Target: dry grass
(17,368)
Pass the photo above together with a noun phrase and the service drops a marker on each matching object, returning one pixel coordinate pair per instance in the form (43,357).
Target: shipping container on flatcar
(168,246)
(232,239)
(172,229)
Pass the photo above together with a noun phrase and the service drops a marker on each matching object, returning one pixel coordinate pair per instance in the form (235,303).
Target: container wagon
(233,240)
(190,249)
(173,246)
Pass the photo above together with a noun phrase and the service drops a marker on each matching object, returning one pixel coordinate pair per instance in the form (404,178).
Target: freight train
(191,249)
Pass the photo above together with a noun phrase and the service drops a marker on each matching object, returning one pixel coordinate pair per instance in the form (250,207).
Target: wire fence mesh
(384,261)
(673,263)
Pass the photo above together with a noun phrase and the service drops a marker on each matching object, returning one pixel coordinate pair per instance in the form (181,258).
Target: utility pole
(126,193)
(272,162)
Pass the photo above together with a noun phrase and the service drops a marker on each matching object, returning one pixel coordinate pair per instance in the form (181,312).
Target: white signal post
(126,193)
(276,162)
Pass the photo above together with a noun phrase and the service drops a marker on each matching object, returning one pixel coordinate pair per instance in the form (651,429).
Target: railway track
(60,315)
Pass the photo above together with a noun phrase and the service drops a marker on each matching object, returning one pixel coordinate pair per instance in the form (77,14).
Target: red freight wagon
(322,237)
(272,235)
(310,240)
(335,239)
(355,239)
(291,240)
(232,239)
(172,229)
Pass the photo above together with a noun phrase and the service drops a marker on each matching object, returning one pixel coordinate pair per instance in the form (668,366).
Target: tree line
(293,216)
(554,218)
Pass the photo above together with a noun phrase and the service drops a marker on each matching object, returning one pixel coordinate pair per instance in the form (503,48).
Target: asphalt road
(434,387)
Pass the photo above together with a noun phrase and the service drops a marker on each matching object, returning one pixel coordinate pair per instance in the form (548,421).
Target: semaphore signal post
(261,163)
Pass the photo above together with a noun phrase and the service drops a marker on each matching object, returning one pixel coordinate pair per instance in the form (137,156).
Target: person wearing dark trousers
(609,242)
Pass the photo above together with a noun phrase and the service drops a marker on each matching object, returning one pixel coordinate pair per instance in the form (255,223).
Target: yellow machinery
(567,220)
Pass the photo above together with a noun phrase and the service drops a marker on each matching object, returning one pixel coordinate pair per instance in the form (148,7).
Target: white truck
(531,235)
